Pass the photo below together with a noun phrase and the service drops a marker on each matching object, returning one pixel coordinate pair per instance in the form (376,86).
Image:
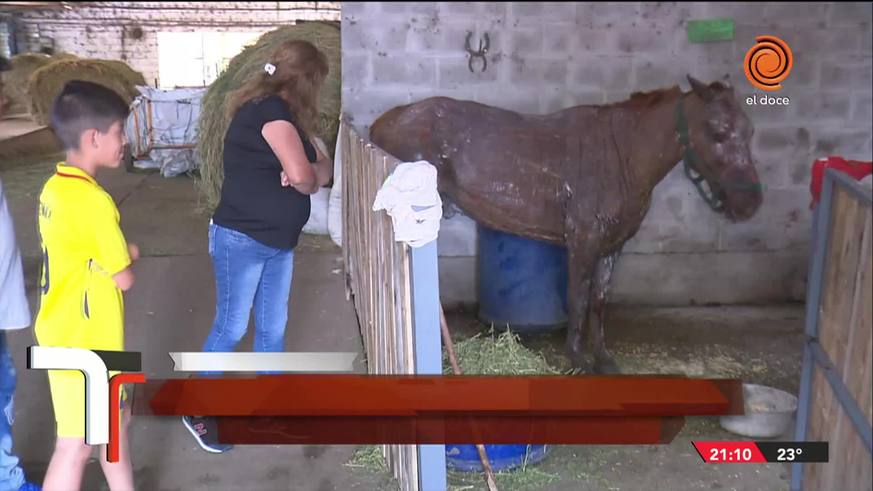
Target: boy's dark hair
(82,106)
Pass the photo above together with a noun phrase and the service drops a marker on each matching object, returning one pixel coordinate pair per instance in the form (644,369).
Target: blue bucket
(522,282)
(465,458)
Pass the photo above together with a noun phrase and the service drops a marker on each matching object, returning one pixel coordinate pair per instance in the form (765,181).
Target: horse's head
(715,134)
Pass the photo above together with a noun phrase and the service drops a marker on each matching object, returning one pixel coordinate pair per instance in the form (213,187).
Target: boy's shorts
(68,398)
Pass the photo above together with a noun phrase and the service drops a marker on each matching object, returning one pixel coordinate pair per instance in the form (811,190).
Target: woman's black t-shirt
(253,200)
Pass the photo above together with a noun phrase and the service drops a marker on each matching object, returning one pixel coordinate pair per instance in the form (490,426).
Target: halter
(690,161)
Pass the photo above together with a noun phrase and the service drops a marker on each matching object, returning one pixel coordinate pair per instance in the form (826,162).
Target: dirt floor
(170,309)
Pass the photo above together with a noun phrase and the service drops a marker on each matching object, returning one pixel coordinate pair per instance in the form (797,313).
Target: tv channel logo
(102,393)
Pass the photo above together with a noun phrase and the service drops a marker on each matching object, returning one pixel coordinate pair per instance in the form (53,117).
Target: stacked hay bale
(249,63)
(16,79)
(46,82)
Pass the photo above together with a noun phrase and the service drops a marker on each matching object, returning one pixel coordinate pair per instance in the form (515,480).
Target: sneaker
(29,486)
(205,430)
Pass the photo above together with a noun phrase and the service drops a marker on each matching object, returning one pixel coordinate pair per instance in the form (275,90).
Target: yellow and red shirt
(81,306)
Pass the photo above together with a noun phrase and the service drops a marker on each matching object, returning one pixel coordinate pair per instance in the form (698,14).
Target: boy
(86,266)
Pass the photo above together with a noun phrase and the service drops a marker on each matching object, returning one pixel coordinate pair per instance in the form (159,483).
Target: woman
(270,169)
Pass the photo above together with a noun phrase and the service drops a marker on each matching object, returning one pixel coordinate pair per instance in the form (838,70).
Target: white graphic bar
(264,362)
(96,384)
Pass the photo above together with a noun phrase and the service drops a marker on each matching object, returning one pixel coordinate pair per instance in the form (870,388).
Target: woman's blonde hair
(300,70)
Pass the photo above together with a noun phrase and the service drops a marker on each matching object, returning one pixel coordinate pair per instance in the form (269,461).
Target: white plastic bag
(335,203)
(162,129)
(317,224)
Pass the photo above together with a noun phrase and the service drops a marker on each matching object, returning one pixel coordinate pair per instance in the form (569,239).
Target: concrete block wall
(548,56)
(102,29)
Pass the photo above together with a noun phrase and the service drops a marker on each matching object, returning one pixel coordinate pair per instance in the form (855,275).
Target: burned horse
(581,177)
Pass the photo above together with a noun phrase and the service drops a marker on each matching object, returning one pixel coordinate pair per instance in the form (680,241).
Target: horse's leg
(603,360)
(579,272)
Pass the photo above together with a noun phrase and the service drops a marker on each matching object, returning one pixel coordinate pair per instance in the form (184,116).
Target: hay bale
(248,63)
(46,82)
(15,79)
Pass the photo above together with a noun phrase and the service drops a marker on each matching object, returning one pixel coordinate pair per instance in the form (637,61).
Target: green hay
(368,457)
(499,354)
(250,62)
(46,82)
(495,354)
(529,479)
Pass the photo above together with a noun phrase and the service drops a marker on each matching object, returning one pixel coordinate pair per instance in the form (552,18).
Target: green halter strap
(690,160)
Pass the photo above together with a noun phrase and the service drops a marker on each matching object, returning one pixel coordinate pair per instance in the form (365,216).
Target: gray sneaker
(205,431)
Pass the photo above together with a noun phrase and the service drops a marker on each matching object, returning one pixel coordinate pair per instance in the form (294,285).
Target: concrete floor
(20,136)
(170,309)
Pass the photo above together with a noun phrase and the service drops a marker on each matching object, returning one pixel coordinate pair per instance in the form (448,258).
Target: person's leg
(67,465)
(238,264)
(11,474)
(271,302)
(119,475)
(71,453)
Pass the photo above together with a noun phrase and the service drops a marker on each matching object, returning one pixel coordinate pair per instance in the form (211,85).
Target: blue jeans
(11,474)
(248,273)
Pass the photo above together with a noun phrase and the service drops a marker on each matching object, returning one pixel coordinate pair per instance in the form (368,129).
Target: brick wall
(101,29)
(546,57)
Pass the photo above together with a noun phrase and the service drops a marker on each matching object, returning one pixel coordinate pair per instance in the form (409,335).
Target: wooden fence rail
(836,404)
(378,276)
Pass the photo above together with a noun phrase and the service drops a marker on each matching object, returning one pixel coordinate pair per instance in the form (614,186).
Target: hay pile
(15,80)
(495,354)
(46,82)
(250,62)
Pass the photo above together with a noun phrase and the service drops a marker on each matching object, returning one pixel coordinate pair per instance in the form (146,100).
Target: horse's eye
(718,133)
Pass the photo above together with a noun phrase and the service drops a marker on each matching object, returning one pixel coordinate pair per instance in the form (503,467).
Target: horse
(581,177)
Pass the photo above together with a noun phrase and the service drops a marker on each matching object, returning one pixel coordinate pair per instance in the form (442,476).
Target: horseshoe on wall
(480,53)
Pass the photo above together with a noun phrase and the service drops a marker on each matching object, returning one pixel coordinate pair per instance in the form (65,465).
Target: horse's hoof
(581,365)
(606,366)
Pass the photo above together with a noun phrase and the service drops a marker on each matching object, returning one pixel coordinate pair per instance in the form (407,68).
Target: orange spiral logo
(768,63)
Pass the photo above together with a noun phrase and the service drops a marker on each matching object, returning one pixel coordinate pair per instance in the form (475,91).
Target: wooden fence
(378,275)
(836,404)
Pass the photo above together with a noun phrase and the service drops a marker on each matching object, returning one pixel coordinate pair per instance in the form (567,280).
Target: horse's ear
(700,88)
(726,81)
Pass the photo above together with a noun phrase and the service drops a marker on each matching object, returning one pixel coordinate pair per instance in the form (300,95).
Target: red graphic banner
(361,409)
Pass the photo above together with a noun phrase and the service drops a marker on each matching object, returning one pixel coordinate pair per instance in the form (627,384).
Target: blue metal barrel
(465,458)
(522,282)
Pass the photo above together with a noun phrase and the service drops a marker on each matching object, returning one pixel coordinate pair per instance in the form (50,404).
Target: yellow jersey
(82,248)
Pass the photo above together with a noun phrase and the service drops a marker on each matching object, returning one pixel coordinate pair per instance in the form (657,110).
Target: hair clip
(270,68)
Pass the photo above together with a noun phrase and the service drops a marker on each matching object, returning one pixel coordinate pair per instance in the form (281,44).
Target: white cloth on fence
(410,197)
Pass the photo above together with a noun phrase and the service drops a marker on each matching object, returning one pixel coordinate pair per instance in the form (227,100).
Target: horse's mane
(647,99)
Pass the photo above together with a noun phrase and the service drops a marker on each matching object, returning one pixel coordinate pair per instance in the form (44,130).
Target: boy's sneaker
(205,430)
(29,486)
